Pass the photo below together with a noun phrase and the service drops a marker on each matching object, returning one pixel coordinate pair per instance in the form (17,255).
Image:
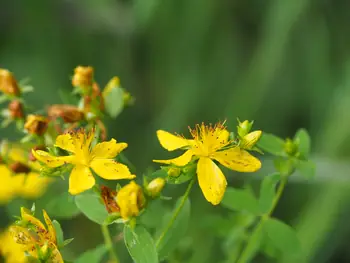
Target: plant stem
(176,213)
(109,243)
(256,231)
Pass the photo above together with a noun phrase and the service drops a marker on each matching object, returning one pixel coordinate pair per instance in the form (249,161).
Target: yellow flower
(130,200)
(32,233)
(99,158)
(10,250)
(209,143)
(8,83)
(36,124)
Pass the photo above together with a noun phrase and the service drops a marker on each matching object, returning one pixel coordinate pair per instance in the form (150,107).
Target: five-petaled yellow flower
(83,157)
(32,234)
(209,143)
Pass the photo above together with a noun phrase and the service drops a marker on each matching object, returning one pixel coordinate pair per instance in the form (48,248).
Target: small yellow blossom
(249,140)
(31,233)
(83,77)
(209,144)
(130,200)
(8,83)
(36,124)
(155,187)
(99,159)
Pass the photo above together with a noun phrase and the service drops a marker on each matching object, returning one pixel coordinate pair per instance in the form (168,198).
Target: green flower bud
(155,187)
(174,172)
(249,140)
(290,147)
(244,128)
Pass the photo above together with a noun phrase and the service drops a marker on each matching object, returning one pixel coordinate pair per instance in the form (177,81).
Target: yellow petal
(21,235)
(110,169)
(108,150)
(182,160)
(211,180)
(27,216)
(55,256)
(65,142)
(52,161)
(238,160)
(50,228)
(30,185)
(170,141)
(80,179)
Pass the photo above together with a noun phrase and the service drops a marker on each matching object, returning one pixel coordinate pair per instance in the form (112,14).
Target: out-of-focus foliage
(285,64)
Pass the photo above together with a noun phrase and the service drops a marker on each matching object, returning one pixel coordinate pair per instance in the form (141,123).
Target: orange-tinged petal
(27,216)
(238,160)
(170,141)
(182,160)
(65,142)
(111,170)
(50,228)
(211,180)
(108,150)
(50,160)
(80,179)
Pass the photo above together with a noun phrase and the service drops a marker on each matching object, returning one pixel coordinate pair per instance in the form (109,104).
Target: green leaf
(140,244)
(284,166)
(267,192)
(306,168)
(92,256)
(62,206)
(177,231)
(89,204)
(302,139)
(271,144)
(67,242)
(150,217)
(240,200)
(59,232)
(114,102)
(282,236)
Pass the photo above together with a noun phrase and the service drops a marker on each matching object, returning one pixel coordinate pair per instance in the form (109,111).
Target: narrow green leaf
(302,138)
(306,168)
(59,232)
(267,192)
(271,144)
(92,256)
(114,102)
(240,200)
(140,244)
(89,204)
(62,206)
(282,236)
(178,230)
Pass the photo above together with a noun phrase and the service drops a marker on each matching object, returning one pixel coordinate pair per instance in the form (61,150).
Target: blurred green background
(283,63)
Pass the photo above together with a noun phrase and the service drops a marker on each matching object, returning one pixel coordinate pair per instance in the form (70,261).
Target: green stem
(109,243)
(176,213)
(251,243)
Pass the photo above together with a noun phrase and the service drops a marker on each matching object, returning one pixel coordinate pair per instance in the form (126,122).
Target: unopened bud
(244,128)
(36,124)
(83,77)
(113,83)
(36,148)
(68,113)
(19,168)
(155,187)
(8,83)
(16,110)
(174,171)
(290,147)
(249,140)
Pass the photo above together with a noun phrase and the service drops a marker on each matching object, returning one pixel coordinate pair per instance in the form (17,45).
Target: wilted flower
(99,158)
(8,84)
(36,124)
(83,77)
(209,143)
(130,200)
(108,196)
(15,108)
(68,113)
